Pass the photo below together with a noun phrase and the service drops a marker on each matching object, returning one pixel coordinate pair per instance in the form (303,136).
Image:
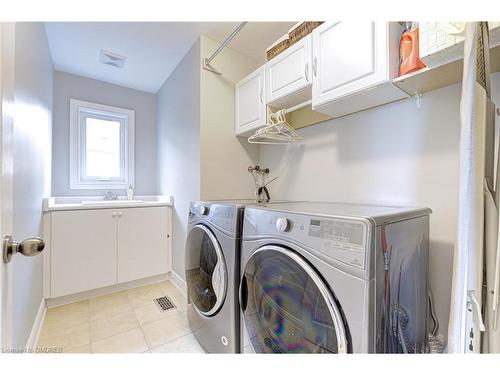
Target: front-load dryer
(212,261)
(334,278)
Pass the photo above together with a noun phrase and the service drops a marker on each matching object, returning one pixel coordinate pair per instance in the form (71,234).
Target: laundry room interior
(250,187)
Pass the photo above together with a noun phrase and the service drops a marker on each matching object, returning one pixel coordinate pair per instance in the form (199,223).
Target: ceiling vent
(113,59)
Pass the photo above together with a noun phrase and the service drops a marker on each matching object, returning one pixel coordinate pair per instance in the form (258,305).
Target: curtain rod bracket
(206,65)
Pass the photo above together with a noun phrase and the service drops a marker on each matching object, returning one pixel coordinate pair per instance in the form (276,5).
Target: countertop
(97,202)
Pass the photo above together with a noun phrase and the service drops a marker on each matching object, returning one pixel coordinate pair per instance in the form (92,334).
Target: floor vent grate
(164,303)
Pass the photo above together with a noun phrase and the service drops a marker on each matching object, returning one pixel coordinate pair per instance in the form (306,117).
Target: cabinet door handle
(119,214)
(306,72)
(260,94)
(315,67)
(113,215)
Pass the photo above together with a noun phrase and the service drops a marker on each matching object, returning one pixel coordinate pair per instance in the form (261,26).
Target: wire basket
(277,47)
(302,29)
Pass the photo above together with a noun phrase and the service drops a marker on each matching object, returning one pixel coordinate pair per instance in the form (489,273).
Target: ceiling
(152,49)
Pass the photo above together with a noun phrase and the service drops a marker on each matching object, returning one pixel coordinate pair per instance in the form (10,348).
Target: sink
(115,202)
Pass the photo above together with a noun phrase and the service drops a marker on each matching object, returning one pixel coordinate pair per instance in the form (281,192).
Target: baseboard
(178,281)
(64,300)
(37,326)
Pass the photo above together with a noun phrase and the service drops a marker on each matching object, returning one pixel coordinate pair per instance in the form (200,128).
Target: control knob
(202,210)
(282,224)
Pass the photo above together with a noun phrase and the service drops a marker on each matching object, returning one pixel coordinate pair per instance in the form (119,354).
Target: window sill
(99,186)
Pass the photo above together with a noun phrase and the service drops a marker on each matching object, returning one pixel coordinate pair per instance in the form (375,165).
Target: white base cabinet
(143,238)
(82,251)
(91,249)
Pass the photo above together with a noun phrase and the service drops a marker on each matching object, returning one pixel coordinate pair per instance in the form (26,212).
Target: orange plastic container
(409,58)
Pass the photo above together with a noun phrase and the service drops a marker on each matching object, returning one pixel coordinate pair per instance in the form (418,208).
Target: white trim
(46,233)
(179,282)
(75,180)
(64,300)
(36,329)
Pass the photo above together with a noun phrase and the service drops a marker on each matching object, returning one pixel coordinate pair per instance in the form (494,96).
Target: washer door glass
(206,273)
(287,308)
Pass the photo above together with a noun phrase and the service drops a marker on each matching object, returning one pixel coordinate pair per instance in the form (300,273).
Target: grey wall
(68,86)
(395,153)
(32,153)
(178,104)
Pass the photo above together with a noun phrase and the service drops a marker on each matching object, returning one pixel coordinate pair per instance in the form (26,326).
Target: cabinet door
(348,57)
(83,252)
(289,74)
(250,103)
(143,245)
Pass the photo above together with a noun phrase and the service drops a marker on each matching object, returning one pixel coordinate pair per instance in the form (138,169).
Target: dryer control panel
(221,215)
(343,239)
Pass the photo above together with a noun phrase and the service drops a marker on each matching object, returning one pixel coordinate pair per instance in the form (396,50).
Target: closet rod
(298,106)
(207,61)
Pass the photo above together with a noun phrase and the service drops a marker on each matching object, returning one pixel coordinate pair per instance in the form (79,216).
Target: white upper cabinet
(250,102)
(350,61)
(289,75)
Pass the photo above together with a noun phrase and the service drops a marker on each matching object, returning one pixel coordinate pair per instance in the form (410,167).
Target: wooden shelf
(429,79)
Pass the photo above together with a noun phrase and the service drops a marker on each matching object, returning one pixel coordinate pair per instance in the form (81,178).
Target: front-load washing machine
(334,278)
(212,261)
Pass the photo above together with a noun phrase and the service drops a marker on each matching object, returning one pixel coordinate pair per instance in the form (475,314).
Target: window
(102,146)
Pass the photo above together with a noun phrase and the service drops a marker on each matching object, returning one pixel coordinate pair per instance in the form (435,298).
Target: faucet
(110,196)
(259,174)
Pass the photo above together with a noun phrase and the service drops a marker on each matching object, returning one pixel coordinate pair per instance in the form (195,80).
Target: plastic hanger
(277,132)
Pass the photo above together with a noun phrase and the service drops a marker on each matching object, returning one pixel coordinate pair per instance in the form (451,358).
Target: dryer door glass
(287,308)
(206,273)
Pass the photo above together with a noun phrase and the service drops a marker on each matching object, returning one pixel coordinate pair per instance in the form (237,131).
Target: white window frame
(77,107)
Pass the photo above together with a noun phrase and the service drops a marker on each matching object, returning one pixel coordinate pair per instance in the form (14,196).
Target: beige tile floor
(122,322)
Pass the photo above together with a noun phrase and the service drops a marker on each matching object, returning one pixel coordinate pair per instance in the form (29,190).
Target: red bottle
(409,59)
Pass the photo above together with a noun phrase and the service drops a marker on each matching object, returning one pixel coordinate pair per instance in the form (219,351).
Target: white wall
(32,167)
(224,157)
(396,154)
(178,104)
(198,155)
(68,86)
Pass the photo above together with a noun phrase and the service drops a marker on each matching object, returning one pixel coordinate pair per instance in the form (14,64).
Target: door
(348,57)
(286,306)
(79,261)
(288,75)
(250,103)
(143,242)
(206,271)
(26,105)
(6,176)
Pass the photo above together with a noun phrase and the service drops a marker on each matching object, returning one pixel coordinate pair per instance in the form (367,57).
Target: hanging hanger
(277,132)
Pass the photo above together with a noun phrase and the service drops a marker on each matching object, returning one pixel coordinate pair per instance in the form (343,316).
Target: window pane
(102,148)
